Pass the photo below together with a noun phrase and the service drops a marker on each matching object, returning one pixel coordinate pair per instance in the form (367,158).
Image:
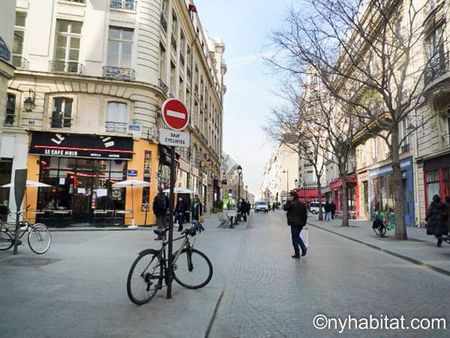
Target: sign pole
(171,213)
(20,179)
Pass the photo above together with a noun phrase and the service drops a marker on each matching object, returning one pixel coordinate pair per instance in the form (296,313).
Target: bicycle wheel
(145,277)
(39,238)
(192,270)
(6,240)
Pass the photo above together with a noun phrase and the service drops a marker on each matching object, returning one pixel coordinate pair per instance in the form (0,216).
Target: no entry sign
(175,114)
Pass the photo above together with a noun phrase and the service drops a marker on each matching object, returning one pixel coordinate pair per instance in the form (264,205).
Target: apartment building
(84,105)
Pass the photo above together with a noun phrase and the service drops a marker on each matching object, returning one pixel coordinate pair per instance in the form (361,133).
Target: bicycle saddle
(161,232)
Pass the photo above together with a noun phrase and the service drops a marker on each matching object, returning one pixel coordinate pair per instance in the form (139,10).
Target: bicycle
(192,269)
(39,238)
(382,224)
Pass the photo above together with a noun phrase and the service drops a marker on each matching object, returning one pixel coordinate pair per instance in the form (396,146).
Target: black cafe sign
(81,145)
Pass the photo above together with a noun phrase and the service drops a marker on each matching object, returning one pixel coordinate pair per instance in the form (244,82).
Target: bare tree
(369,56)
(289,127)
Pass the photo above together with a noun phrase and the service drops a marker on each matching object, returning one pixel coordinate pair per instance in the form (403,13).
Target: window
(120,46)
(432,178)
(62,112)
(123,4)
(116,117)
(67,46)
(19,34)
(10,110)
(162,63)
(173,79)
(182,48)
(181,90)
(174,31)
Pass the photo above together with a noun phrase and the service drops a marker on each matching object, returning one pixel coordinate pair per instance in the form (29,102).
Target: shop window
(5,177)
(116,117)
(10,116)
(446,182)
(147,178)
(62,112)
(432,179)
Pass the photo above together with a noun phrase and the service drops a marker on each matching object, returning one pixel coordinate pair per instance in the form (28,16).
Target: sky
(245,27)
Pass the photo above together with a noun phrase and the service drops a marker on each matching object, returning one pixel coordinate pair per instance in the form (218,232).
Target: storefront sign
(81,145)
(132,173)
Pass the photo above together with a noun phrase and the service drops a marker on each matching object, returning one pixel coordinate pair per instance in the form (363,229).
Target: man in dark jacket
(437,219)
(160,207)
(296,219)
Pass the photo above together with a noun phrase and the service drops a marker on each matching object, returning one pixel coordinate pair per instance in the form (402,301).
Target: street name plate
(174,138)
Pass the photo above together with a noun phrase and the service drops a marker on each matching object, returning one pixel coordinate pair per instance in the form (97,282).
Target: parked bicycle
(39,238)
(192,269)
(382,224)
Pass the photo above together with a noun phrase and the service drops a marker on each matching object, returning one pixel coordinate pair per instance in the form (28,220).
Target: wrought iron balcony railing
(437,67)
(60,122)
(129,5)
(182,59)
(20,62)
(173,41)
(10,119)
(188,73)
(163,86)
(163,21)
(118,73)
(79,1)
(65,66)
(116,127)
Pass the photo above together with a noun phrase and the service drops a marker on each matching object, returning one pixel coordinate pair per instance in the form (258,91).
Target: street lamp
(296,183)
(239,171)
(287,182)
(246,192)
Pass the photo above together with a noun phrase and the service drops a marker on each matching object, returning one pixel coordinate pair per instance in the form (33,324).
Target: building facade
(84,105)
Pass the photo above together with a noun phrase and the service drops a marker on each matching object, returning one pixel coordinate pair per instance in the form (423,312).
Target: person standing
(197,214)
(333,209)
(243,209)
(437,219)
(160,206)
(296,218)
(180,210)
(328,211)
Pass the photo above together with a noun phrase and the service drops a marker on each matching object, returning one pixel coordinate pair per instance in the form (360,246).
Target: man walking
(296,219)
(160,206)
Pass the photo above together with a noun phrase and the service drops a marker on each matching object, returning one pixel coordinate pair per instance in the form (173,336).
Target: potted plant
(4,212)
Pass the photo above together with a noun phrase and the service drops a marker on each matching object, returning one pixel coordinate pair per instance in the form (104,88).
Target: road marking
(176,114)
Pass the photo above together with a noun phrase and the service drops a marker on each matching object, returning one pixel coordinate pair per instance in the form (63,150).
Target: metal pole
(172,186)
(239,189)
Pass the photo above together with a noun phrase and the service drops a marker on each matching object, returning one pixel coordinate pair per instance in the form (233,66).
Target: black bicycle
(39,238)
(192,269)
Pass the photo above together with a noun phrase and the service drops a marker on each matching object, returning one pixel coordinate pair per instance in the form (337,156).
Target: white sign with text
(174,138)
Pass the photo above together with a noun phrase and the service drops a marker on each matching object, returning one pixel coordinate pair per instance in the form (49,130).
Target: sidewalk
(419,248)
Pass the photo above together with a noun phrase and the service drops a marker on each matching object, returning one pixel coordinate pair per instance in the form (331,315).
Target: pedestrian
(333,209)
(197,214)
(180,210)
(328,211)
(243,209)
(160,207)
(273,206)
(296,218)
(437,219)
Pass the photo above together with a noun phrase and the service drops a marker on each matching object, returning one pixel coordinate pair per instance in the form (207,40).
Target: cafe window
(10,110)
(432,178)
(61,113)
(116,117)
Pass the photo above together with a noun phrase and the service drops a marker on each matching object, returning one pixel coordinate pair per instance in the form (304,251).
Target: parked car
(314,207)
(261,206)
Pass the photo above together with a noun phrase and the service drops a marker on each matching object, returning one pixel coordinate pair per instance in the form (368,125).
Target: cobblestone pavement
(269,294)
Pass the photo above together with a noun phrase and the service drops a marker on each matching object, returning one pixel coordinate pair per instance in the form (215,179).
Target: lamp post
(246,192)
(239,171)
(287,182)
(296,183)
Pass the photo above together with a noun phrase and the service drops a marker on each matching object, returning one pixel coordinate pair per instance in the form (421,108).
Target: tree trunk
(400,226)
(344,201)
(319,189)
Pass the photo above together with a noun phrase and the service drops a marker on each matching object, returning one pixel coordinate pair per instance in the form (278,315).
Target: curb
(389,252)
(99,229)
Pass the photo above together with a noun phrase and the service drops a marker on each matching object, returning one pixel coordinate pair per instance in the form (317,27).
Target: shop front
(352,195)
(437,178)
(381,191)
(81,170)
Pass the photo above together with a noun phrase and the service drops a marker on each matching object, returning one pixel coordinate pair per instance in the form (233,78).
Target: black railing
(182,59)
(79,1)
(163,86)
(65,66)
(118,73)
(117,127)
(163,21)
(173,42)
(10,119)
(20,62)
(437,67)
(129,5)
(188,73)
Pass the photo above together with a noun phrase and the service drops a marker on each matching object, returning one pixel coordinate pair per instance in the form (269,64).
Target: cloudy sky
(245,26)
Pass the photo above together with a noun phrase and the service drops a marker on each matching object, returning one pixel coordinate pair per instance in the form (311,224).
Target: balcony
(129,5)
(163,22)
(446,140)
(116,127)
(118,73)
(65,66)
(405,148)
(164,88)
(173,41)
(10,119)
(20,62)
(437,67)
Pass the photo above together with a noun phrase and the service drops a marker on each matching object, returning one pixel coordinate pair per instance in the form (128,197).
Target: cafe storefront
(81,170)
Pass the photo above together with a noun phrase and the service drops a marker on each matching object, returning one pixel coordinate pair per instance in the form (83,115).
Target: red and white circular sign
(175,114)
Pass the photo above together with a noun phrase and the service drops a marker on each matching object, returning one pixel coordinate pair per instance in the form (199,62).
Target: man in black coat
(160,207)
(297,215)
(437,219)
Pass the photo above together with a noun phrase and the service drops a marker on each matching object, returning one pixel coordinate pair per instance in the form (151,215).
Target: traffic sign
(174,138)
(175,114)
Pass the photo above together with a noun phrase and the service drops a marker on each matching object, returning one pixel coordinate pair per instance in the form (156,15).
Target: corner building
(84,105)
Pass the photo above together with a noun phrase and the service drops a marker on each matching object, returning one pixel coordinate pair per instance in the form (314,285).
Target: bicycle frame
(22,223)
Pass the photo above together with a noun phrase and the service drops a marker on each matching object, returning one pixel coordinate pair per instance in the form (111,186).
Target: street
(78,289)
